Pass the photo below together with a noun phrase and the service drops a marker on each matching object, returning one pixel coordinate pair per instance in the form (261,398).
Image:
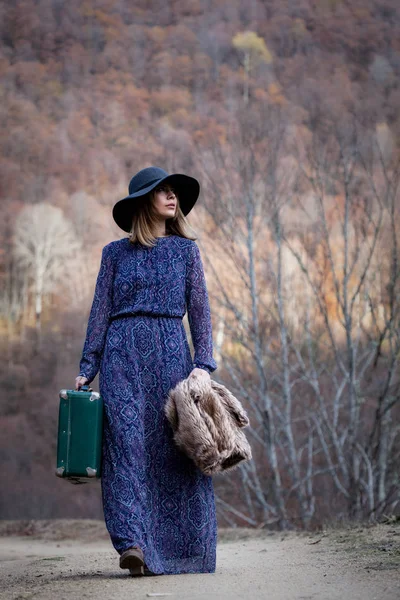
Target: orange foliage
(275,94)
(157,37)
(170,99)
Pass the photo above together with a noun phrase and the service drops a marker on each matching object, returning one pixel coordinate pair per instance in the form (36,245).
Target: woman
(159,508)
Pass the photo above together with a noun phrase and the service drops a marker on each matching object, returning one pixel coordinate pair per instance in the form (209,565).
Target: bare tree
(44,240)
(307,287)
(12,297)
(245,180)
(356,229)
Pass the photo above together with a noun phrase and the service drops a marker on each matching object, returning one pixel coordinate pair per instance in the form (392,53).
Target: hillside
(288,113)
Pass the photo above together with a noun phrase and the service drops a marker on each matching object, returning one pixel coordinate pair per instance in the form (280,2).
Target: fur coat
(207,421)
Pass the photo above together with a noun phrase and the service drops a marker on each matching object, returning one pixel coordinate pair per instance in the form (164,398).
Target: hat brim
(186,187)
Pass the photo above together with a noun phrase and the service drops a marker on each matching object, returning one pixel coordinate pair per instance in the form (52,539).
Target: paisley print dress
(153,495)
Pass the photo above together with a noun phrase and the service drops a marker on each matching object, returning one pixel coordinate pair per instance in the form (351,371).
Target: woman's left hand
(200,375)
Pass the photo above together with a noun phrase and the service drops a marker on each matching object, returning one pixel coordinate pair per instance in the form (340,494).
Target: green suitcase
(80,435)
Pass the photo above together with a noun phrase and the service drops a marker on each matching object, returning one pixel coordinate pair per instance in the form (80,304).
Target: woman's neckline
(157,238)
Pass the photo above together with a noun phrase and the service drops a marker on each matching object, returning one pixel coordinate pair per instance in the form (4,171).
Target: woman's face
(165,201)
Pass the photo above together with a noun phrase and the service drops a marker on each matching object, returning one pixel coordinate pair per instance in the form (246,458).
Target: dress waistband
(144,313)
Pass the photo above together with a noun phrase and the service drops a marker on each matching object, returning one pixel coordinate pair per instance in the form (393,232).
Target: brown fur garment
(207,422)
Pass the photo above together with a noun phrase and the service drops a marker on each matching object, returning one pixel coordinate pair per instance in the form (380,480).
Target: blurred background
(288,113)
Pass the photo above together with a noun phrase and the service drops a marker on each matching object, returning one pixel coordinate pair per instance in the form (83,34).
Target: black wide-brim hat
(187,189)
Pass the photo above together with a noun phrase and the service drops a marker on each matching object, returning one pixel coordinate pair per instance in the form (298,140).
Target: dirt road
(356,564)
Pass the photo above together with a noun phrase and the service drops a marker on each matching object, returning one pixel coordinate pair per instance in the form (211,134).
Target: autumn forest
(288,113)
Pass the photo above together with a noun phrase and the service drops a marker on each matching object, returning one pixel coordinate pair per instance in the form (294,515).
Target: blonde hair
(144,220)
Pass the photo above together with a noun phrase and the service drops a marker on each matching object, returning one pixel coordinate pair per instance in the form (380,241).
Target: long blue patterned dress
(153,495)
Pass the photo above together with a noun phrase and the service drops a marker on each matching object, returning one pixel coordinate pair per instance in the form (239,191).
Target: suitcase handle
(85,388)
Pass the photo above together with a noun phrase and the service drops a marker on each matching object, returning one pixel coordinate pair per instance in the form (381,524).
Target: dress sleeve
(198,309)
(98,319)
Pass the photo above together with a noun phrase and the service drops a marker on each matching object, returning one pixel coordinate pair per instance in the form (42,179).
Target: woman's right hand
(80,381)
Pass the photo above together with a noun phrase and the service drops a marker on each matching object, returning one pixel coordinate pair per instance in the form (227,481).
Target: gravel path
(336,565)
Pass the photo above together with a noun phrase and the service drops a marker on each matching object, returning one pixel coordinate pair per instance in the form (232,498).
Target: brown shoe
(133,560)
